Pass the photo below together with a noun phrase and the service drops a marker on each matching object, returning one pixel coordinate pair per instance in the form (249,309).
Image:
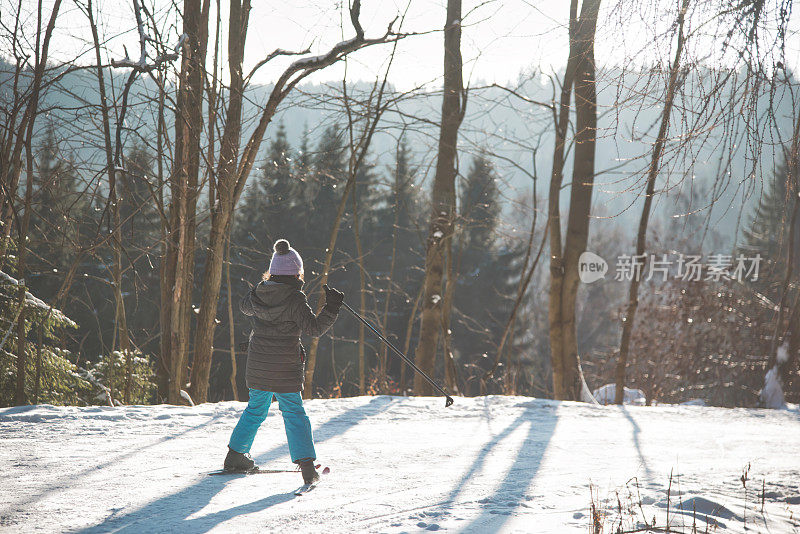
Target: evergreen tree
(138,213)
(51,375)
(325,189)
(487,268)
(272,194)
(369,197)
(267,202)
(397,216)
(140,235)
(303,171)
(479,207)
(278,175)
(770,235)
(400,220)
(62,220)
(59,216)
(769,232)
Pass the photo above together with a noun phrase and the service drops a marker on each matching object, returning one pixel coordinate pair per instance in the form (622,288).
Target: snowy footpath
(487,464)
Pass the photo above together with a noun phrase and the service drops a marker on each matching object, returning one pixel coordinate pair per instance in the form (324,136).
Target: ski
(256,471)
(250,472)
(305,488)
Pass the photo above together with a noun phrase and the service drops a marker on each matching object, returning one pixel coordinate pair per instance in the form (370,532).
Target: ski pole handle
(448,399)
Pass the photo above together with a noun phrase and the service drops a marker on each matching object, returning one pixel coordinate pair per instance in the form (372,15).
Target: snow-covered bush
(119,370)
(51,377)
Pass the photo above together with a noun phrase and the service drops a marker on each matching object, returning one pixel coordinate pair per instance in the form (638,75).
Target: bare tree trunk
(231,326)
(212,113)
(581,192)
(25,137)
(362,364)
(444,198)
(222,191)
(450,372)
(38,383)
(641,236)
(164,366)
(561,120)
(564,262)
(227,196)
(116,270)
(409,330)
(22,254)
(184,180)
(212,276)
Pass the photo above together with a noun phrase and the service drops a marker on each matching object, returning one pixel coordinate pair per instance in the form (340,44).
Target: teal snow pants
(295,421)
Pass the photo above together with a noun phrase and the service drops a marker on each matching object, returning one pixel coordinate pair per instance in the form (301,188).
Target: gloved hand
(333,299)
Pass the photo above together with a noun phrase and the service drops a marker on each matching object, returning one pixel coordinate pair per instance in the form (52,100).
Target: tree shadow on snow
(173,512)
(636,431)
(496,509)
(74,479)
(15,410)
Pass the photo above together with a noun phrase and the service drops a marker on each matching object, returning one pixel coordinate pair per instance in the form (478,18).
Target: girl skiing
(276,360)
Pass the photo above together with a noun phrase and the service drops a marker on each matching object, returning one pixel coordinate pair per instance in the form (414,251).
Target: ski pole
(448,399)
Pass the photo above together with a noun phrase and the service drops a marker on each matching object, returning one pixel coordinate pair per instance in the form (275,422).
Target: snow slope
(487,464)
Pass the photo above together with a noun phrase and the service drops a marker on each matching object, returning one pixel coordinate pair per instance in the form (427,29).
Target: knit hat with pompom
(285,260)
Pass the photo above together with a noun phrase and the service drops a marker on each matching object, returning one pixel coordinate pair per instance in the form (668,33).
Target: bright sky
(501,38)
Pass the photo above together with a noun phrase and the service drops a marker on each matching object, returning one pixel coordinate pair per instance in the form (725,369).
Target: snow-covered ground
(487,464)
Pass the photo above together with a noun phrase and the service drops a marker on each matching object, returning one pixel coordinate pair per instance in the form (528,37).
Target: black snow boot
(310,474)
(236,461)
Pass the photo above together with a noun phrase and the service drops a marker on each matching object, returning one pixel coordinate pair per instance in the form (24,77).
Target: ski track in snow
(487,464)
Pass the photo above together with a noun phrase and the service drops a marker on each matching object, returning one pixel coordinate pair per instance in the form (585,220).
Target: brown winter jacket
(275,357)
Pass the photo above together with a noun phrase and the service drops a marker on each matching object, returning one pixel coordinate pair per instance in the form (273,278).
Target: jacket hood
(273,298)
